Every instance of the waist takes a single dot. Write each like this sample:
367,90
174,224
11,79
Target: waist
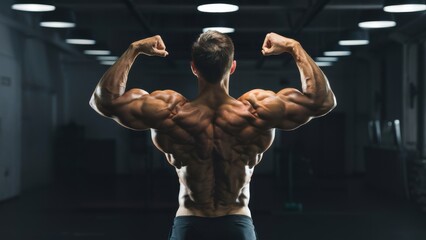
224,227
211,213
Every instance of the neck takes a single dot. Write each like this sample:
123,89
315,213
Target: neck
213,93
206,87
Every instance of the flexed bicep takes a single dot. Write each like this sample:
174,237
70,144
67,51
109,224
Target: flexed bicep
135,109
291,108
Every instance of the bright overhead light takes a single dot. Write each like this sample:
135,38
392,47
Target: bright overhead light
376,19
353,42
57,24
107,58
97,52
109,63
100,49
80,37
33,7
60,18
354,38
217,8
326,59
77,41
404,6
324,64
377,24
337,53
219,29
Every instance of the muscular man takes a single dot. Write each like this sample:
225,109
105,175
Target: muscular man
214,141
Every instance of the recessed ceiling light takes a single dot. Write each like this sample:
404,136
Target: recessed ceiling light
77,41
60,18
57,24
377,24
33,7
107,58
324,64
337,53
354,38
376,19
326,59
217,8
107,62
219,29
80,37
404,6
97,52
353,42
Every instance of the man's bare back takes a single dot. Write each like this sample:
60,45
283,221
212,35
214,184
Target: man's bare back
214,141
214,150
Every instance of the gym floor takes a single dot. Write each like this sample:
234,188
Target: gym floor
125,209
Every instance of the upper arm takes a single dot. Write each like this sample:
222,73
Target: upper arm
287,109
139,110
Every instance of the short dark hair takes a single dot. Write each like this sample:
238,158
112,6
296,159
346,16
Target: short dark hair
212,55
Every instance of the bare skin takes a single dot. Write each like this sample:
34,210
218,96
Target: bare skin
215,141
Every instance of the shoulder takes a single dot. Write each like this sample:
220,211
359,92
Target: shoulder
256,95
268,107
164,99
168,96
159,106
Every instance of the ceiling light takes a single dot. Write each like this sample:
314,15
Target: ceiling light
377,24
107,58
403,6
33,6
219,29
79,41
376,19
354,38
60,18
80,37
338,51
107,62
100,49
326,59
324,64
97,52
57,24
353,42
217,8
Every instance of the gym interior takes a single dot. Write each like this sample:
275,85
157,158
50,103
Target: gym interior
68,173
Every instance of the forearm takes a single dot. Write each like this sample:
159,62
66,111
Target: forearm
110,95
113,83
315,85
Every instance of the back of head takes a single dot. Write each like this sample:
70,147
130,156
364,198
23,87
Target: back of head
212,55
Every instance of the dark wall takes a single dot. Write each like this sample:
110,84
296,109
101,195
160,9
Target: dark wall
57,84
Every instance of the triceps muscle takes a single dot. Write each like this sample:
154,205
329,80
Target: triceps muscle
126,109
292,109
143,111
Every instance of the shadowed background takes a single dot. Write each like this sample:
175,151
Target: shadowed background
68,173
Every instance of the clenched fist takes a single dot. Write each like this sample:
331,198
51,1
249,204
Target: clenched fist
275,44
152,46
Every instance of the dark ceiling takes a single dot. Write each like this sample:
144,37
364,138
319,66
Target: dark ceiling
317,24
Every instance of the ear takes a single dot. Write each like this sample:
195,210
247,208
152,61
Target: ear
233,66
194,70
